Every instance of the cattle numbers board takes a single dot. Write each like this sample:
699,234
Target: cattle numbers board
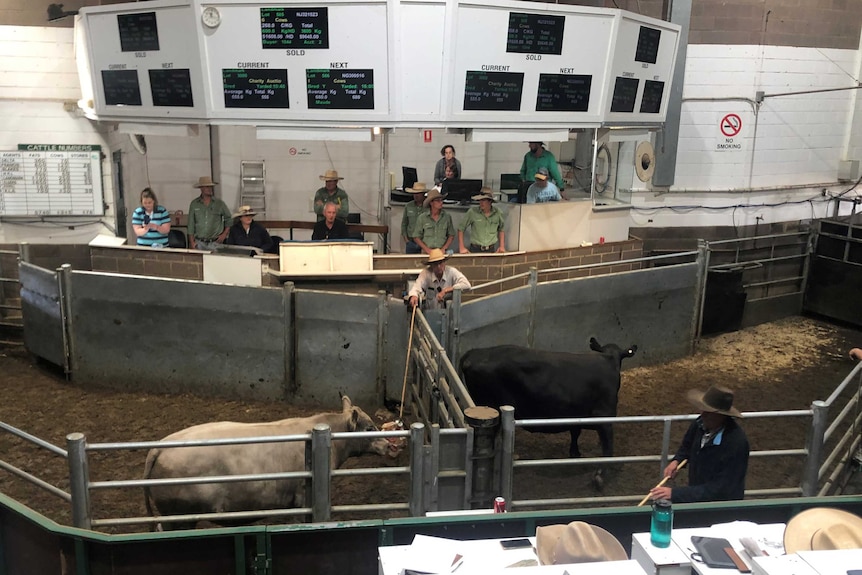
51,180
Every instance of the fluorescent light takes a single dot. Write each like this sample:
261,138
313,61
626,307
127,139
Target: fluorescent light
328,134
505,135
178,130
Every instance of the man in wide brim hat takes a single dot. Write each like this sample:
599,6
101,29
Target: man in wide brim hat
436,282
209,217
245,211
331,192
434,227
577,542
412,210
716,450
485,223
432,195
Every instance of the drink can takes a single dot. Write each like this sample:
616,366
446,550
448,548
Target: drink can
500,505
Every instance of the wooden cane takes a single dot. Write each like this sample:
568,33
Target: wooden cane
407,365
663,481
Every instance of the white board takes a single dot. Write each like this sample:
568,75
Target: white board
51,180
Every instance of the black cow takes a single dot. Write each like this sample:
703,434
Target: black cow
548,384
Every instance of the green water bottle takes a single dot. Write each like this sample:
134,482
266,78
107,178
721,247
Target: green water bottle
662,522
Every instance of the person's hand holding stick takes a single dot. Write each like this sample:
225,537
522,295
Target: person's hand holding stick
663,481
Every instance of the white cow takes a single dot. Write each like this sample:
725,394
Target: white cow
247,459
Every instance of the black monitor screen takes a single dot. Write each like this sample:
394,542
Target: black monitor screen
410,177
460,190
510,181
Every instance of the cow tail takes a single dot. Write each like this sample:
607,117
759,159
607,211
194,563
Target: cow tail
152,510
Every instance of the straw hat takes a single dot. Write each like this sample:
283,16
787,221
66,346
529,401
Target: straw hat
245,211
577,542
484,194
330,175
541,174
716,399
205,182
418,188
436,255
433,194
823,528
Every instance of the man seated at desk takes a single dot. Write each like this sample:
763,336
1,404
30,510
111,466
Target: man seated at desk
247,232
543,190
330,227
436,282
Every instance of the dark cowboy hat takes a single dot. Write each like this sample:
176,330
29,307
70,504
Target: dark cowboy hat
716,399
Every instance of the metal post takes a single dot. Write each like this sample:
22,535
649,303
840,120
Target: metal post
484,421
24,254
79,477
455,327
665,446
64,279
382,325
702,276
507,451
811,472
417,438
290,385
534,298
321,472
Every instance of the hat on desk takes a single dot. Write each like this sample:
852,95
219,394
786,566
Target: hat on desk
418,188
330,175
484,194
433,194
823,528
577,542
541,174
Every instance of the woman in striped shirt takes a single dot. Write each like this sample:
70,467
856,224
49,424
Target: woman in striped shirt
151,221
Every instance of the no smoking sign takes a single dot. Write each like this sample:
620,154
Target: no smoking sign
729,138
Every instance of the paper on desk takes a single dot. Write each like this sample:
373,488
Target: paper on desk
769,537
433,555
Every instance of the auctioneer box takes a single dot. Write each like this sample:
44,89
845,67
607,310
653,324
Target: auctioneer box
315,258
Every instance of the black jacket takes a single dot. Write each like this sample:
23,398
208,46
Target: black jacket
338,232
257,236
715,472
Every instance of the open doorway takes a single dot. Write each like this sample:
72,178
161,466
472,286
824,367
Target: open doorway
119,194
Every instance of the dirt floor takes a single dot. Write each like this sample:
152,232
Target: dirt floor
778,366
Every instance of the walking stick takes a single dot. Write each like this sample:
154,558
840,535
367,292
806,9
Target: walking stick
663,481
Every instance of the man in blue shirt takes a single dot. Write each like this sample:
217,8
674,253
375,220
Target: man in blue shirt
543,190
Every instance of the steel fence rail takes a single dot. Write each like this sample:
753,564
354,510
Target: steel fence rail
35,440
755,238
65,496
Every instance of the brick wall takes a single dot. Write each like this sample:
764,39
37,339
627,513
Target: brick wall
177,264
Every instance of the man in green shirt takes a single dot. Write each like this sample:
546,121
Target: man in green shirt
331,193
486,226
209,217
434,228
411,216
539,157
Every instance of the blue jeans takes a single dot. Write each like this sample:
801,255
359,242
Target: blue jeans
412,248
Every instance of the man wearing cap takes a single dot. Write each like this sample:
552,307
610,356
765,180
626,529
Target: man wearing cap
539,157
436,282
247,232
330,227
543,190
209,217
716,449
434,228
411,216
331,192
486,226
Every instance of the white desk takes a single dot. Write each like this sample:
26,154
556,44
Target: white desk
486,557
769,537
833,562
669,560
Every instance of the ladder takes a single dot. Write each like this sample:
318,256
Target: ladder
253,185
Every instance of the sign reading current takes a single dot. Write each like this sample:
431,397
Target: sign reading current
340,89
294,28
255,88
535,33
493,90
